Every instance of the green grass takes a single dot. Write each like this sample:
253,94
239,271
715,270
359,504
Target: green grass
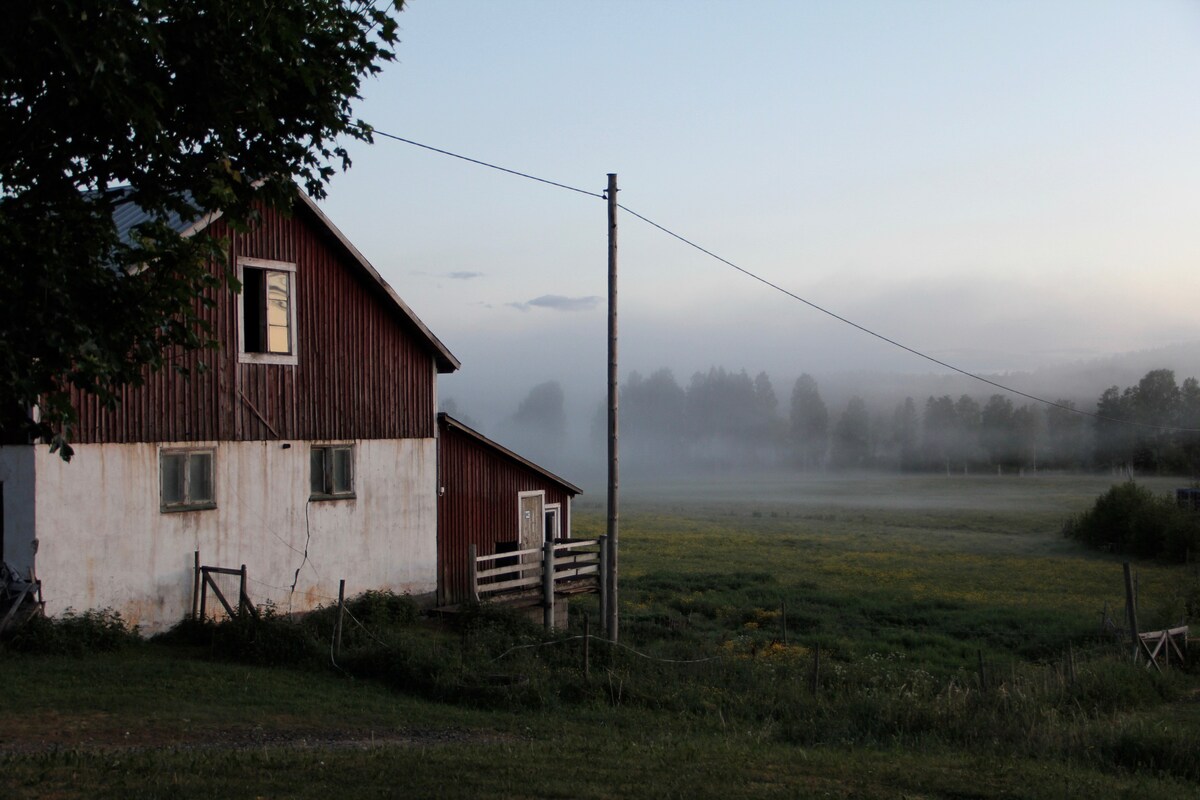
903,582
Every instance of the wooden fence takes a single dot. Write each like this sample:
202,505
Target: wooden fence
565,566
1160,643
203,581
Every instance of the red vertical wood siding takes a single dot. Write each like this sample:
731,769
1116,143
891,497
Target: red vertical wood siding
479,504
364,370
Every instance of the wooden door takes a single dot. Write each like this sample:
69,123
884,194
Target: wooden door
532,508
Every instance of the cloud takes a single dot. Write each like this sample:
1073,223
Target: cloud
463,276
559,303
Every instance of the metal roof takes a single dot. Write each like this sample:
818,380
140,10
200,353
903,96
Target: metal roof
127,215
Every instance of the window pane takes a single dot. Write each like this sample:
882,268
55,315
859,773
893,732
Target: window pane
343,465
200,478
172,478
316,461
279,318
253,303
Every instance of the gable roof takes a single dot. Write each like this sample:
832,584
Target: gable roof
450,423
127,214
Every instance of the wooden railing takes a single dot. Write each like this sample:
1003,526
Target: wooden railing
552,567
1154,643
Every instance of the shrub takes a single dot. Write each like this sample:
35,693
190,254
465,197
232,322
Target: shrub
1131,519
270,639
374,608
75,634
369,616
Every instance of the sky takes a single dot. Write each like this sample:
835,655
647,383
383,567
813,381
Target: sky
1002,185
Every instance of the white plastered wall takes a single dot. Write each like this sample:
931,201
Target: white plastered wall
105,543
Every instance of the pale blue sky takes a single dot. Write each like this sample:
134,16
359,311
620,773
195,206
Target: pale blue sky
1002,184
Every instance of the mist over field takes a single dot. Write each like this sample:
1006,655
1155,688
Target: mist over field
727,419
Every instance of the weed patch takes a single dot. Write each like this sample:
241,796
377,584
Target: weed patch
74,634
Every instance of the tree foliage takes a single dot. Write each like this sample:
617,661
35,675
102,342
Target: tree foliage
1129,518
851,446
183,109
810,423
542,413
653,425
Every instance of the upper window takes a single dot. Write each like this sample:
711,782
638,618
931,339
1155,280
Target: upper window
331,473
186,480
268,318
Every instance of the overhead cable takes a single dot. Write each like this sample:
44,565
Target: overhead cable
486,164
967,373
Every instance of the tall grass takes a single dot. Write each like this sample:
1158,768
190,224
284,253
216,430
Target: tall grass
723,614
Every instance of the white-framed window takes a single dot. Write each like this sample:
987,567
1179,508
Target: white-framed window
267,319
186,479
331,471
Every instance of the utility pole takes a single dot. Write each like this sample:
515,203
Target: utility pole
611,577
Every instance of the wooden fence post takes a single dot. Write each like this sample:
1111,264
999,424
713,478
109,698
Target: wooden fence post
816,668
982,673
548,584
203,594
1131,608
337,639
472,574
242,596
196,586
586,642
783,619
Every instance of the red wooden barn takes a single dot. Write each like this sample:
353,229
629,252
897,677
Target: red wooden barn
306,451
492,498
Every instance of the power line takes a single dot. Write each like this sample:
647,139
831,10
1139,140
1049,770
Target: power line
486,164
895,343
794,296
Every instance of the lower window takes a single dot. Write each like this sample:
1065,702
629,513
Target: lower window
186,480
331,473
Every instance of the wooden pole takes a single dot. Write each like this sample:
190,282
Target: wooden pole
603,567
548,584
203,594
242,596
337,637
611,607
472,574
982,673
816,669
783,619
1131,608
196,586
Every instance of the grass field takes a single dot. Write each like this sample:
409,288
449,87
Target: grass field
904,584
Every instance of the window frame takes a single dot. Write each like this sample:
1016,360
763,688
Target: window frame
554,509
267,265
327,450
187,503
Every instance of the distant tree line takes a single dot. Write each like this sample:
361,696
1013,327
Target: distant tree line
728,419
725,419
